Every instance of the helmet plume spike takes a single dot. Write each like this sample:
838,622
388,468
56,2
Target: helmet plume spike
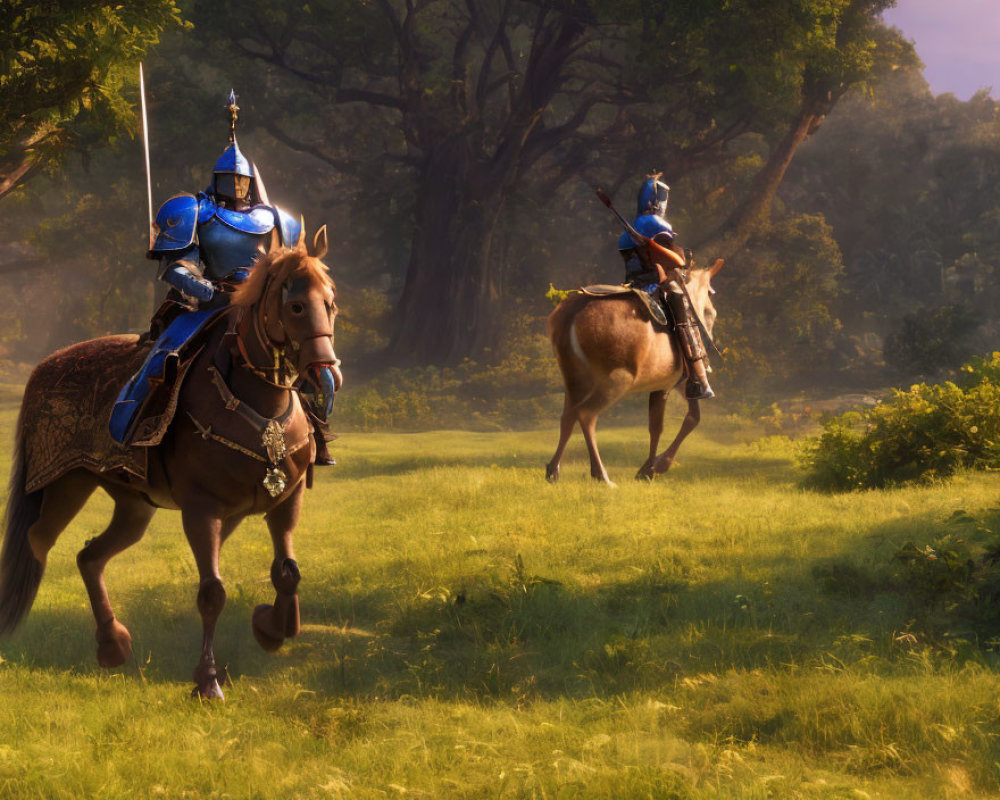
233,115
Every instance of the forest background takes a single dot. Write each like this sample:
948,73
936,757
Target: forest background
452,149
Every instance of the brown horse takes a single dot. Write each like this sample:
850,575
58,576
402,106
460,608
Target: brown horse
608,347
239,444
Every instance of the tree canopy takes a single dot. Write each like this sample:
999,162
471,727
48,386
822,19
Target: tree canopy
462,107
65,71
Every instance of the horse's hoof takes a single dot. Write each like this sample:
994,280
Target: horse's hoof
551,473
662,466
264,629
210,691
646,472
114,644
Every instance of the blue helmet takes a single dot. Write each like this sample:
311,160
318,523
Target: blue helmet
233,161
653,196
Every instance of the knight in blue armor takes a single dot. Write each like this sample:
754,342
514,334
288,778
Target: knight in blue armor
640,272
205,243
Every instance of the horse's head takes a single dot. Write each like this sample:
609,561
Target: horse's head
289,301
700,290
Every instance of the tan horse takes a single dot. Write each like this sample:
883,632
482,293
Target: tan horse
239,444
608,347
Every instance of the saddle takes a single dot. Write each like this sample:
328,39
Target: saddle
651,300
72,393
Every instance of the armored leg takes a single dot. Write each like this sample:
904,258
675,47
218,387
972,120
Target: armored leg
692,347
321,429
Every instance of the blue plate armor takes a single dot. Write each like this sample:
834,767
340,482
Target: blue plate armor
154,370
176,223
648,225
289,227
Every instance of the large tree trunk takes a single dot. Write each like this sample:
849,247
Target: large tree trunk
447,309
754,213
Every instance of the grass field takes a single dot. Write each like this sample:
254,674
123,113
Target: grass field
471,631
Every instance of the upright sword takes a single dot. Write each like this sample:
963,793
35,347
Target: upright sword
145,147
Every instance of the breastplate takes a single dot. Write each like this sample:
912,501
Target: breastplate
224,249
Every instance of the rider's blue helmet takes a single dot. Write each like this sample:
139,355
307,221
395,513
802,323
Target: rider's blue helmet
653,196
232,161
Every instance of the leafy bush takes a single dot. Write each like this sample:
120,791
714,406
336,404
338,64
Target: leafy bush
925,433
953,583
929,341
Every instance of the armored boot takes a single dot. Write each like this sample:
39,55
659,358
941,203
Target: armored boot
692,348
323,457
321,429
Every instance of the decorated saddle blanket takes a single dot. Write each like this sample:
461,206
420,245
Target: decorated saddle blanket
651,300
67,406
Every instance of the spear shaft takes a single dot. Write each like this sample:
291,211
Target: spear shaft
145,147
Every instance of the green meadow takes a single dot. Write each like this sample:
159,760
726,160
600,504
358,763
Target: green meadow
471,631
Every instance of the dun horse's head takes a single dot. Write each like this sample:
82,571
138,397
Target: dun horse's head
289,298
700,290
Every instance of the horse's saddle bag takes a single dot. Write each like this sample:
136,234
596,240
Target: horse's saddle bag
651,297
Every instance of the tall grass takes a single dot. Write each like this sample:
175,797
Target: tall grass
471,631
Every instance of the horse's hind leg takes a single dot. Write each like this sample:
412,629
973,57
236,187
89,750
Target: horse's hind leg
272,624
691,420
587,411
61,501
128,523
657,405
566,424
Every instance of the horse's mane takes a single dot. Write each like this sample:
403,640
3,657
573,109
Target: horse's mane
280,264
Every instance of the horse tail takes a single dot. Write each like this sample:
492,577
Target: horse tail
20,571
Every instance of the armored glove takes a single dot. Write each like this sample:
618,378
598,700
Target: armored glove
183,280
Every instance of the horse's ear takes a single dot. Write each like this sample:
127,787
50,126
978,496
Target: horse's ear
319,244
302,233
275,244
716,266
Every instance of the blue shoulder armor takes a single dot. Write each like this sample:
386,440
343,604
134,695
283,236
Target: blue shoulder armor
648,225
651,224
256,221
176,224
289,227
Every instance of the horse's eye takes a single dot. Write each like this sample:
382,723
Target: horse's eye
297,308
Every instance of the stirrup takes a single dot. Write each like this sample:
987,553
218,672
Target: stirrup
697,391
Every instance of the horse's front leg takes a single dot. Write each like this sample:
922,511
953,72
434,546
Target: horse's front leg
272,624
691,420
205,528
657,406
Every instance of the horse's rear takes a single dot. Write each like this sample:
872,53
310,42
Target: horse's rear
608,347
58,432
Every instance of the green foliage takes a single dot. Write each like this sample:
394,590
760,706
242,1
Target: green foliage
556,296
910,183
952,584
927,432
932,341
66,73
783,323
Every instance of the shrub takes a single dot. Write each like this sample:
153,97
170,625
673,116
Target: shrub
929,341
925,433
